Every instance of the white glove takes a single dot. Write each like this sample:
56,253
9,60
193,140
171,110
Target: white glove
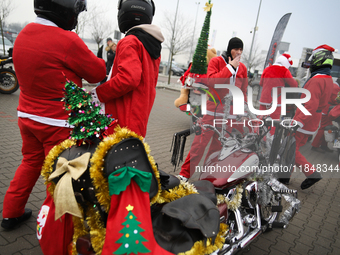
95,99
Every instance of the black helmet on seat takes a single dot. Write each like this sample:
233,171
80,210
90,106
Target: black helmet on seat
64,13
134,12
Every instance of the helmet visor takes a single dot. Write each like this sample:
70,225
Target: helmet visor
77,5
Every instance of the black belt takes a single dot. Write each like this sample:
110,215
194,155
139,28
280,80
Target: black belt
318,111
55,99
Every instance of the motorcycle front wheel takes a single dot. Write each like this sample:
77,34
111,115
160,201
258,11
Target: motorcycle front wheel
8,81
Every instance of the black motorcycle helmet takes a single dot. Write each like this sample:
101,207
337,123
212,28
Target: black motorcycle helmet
63,13
134,12
321,57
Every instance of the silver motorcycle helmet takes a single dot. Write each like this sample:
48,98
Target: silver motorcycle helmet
63,13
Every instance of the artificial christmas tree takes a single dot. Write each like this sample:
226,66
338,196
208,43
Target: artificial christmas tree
201,58
84,116
199,64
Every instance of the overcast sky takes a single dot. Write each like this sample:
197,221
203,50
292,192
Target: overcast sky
312,23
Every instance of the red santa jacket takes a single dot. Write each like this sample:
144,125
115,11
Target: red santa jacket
320,87
41,55
217,71
332,99
275,76
130,93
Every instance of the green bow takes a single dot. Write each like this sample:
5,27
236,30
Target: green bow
121,178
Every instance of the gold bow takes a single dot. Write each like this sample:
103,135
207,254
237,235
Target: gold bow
208,7
64,199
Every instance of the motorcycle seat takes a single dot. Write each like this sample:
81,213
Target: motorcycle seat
130,152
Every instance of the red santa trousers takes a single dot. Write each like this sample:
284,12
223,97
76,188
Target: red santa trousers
54,236
37,140
300,160
319,139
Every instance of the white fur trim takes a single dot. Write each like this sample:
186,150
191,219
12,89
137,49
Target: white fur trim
231,69
306,131
299,123
283,61
45,120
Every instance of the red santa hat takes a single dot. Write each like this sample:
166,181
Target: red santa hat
284,60
323,47
320,48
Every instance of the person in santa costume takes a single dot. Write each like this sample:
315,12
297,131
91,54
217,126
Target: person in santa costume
319,143
45,52
320,85
226,68
276,76
130,90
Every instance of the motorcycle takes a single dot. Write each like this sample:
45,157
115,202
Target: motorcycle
332,132
8,79
209,216
251,200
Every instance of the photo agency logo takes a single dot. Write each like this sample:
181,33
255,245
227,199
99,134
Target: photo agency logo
238,104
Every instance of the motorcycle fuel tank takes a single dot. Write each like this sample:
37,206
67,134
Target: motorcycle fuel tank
224,171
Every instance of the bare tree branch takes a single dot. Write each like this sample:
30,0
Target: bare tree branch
178,35
83,19
6,7
256,59
182,33
100,28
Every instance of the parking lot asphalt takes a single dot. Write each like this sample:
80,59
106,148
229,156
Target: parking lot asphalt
314,230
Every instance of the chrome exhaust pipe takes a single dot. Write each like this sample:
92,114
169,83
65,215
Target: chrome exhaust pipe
253,234
249,238
240,244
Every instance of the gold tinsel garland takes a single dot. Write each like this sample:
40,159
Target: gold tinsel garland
235,202
182,190
97,232
201,248
79,230
47,167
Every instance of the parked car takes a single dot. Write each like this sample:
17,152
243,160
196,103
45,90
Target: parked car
175,69
8,46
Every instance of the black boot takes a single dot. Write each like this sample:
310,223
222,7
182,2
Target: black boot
311,180
11,223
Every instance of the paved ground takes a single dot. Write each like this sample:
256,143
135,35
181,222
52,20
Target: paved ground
315,230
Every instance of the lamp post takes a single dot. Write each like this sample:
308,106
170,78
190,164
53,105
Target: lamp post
252,42
193,34
172,45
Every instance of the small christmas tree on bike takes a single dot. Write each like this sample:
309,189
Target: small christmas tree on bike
84,114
